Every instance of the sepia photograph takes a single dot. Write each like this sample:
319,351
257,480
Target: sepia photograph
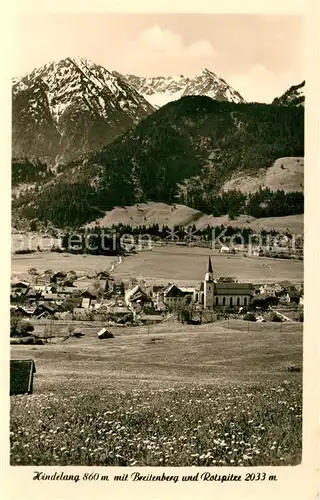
157,242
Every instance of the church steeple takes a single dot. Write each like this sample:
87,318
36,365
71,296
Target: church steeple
209,273
208,287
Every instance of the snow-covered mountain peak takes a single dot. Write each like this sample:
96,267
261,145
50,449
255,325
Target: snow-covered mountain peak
160,90
294,96
79,99
77,79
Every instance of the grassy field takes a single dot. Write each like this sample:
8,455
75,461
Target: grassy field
167,395
163,264
188,265
59,262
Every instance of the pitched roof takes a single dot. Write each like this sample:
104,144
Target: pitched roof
51,296
135,293
187,289
19,284
173,291
90,293
233,288
151,317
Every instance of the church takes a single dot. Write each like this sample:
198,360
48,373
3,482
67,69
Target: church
212,293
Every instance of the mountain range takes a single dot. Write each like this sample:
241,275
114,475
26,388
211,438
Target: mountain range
63,110
160,90
85,139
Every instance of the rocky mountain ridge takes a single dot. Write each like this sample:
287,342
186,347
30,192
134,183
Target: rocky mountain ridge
294,96
159,90
65,109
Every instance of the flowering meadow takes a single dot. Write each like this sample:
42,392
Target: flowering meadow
178,426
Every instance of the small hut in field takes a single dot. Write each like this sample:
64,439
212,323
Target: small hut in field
105,334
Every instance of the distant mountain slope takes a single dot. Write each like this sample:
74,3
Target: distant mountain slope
34,132
160,90
147,214
183,153
294,96
62,110
286,174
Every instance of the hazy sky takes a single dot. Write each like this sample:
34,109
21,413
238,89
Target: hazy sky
260,56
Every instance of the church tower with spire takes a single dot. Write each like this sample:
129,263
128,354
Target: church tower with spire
208,287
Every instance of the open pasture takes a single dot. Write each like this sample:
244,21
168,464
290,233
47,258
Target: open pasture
164,395
20,264
186,265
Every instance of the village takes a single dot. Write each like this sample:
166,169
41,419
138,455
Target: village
73,298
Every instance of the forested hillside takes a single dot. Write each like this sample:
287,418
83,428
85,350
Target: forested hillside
183,152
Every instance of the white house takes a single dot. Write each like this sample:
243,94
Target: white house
224,249
270,290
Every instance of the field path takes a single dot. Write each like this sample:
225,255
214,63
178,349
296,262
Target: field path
114,264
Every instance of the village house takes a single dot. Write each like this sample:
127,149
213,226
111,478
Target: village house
52,297
89,299
225,249
19,286
102,275
66,291
157,294
256,252
136,296
22,311
102,284
45,311
44,279
270,290
58,277
289,293
119,313
33,296
45,288
174,296
117,288
150,319
19,289
284,298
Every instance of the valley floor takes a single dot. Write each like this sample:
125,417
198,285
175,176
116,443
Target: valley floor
186,265
164,264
